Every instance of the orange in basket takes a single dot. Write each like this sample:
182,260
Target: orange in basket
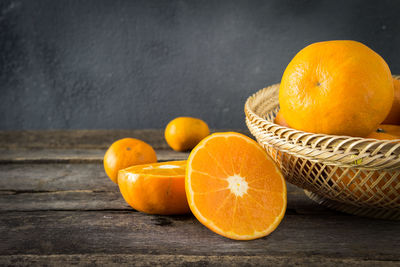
337,88
366,186
394,115
279,119
386,132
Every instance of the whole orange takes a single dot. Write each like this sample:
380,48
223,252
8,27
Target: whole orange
386,132
280,120
336,87
184,133
367,185
394,114
127,152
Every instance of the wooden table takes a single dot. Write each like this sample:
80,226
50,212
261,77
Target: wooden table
58,207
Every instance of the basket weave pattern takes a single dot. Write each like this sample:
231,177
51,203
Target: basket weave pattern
355,175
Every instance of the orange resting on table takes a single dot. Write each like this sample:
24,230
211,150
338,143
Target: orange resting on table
336,87
126,152
234,188
184,133
157,188
394,114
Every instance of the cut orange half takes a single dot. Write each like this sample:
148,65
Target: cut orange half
234,188
157,188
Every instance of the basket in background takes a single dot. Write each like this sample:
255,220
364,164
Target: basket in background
350,174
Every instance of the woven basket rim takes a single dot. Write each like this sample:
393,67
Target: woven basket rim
345,151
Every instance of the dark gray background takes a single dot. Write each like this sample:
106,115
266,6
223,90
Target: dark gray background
138,64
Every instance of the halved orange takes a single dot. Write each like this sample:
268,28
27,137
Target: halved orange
234,188
156,188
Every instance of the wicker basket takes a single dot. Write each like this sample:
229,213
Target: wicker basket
354,175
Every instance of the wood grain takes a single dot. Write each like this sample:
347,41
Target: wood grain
88,200
26,156
137,233
79,200
58,207
185,260
28,187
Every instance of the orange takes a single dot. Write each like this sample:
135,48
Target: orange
184,133
280,120
157,188
367,185
374,184
386,132
125,153
336,87
234,188
394,115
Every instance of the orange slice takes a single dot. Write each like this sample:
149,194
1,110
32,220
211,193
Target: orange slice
234,188
157,188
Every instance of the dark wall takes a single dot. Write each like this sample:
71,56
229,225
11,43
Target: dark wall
138,64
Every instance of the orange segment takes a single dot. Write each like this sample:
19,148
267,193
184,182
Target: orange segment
209,165
208,183
234,188
157,188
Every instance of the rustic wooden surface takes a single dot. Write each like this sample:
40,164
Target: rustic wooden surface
57,207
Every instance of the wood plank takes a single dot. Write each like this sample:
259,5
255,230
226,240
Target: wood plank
25,156
81,186
184,260
81,139
63,200
27,187
57,207
90,200
136,233
54,177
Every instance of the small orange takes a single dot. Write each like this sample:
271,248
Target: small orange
280,120
184,133
336,87
157,188
234,188
386,132
125,153
394,115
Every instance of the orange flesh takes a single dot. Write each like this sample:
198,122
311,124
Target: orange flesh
219,160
